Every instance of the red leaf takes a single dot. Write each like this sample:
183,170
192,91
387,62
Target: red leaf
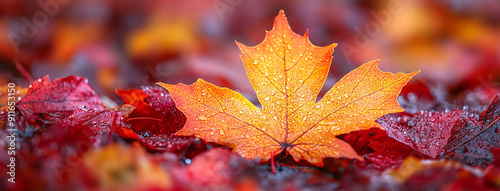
153,102
426,132
389,153
50,101
98,122
216,168
471,141
359,140
155,118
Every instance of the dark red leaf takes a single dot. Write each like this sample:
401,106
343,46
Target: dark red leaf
155,118
359,140
427,132
101,122
48,101
389,153
471,141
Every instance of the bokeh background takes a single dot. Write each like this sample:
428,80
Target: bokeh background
120,44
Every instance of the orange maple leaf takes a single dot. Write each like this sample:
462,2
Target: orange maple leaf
287,72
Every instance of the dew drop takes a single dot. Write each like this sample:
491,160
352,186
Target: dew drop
201,118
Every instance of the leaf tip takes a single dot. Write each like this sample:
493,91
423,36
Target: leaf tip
414,73
282,13
281,21
333,45
240,45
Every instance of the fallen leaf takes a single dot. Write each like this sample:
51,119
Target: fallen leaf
50,101
155,111
98,122
287,73
389,153
360,140
427,132
471,141
120,167
155,117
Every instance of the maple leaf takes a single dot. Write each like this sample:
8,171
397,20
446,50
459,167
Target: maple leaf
287,72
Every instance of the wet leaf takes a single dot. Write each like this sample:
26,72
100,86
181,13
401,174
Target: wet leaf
155,117
426,132
120,167
471,140
48,101
389,153
100,123
287,73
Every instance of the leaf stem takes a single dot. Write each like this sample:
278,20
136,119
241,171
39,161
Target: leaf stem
273,165
144,118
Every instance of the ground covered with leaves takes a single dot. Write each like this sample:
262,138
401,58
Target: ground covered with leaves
439,139
68,139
